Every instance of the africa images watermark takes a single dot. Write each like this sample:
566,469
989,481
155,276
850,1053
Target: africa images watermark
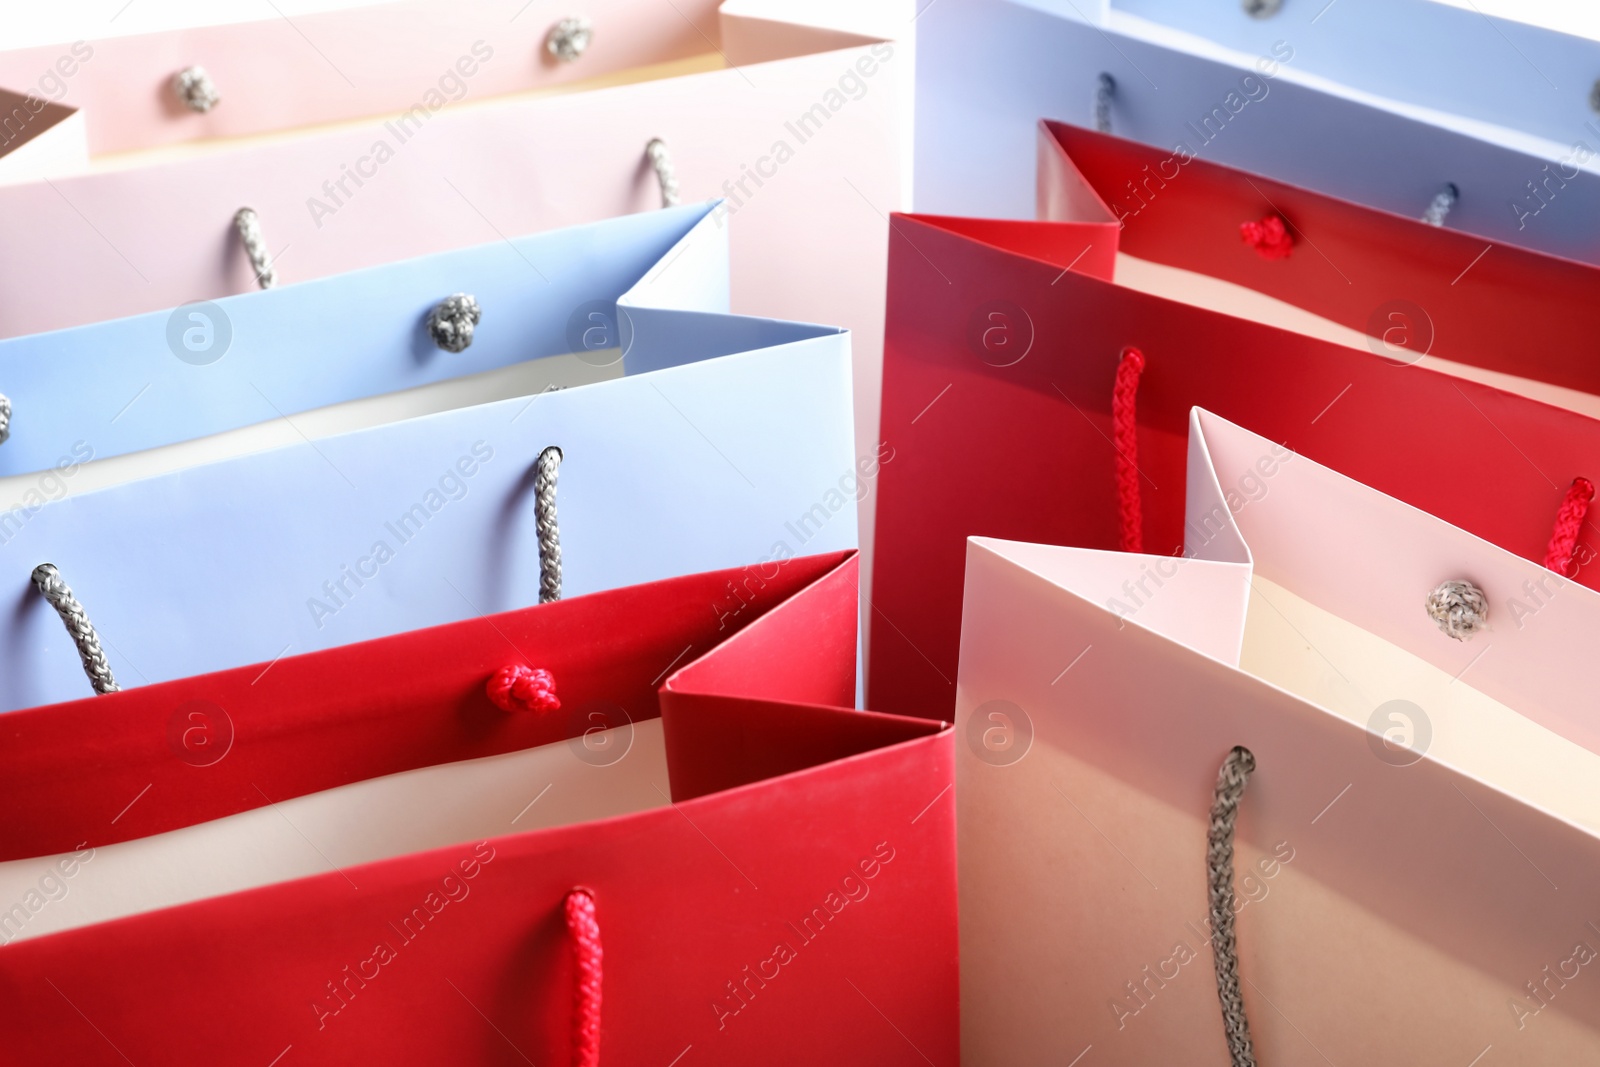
51,87
453,888
1542,190
1200,530
49,484
1250,89
450,87
53,885
451,485
1545,986
851,85
853,888
851,488
1142,990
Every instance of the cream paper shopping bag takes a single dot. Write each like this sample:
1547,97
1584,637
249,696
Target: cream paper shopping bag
1417,876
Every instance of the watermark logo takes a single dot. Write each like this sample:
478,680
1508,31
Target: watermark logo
1001,333
740,992
199,333
1399,732
340,991
999,733
450,87
1545,986
200,733
851,84
1143,188
602,733
593,335
1140,992
452,484
52,88
51,886
1400,331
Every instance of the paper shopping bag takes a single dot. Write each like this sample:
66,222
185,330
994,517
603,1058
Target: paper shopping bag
799,123
975,119
1460,62
727,442
1412,289
357,349
682,841
232,79
1006,382
1321,788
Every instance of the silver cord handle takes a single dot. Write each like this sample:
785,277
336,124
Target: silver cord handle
48,581
544,519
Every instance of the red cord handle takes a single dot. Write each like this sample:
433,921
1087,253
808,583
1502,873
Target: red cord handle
587,957
1569,524
1125,438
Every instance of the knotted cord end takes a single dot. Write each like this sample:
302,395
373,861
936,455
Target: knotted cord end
518,687
1270,237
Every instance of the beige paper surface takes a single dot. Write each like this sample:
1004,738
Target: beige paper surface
428,808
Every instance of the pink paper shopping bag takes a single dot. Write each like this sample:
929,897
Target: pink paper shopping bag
279,69
795,115
1320,790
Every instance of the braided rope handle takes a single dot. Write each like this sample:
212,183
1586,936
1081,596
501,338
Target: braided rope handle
544,519
248,223
666,174
1105,87
1440,205
1231,780
48,581
583,927
1125,439
1570,518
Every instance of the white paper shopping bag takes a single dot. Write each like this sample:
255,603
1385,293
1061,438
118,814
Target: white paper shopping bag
1417,847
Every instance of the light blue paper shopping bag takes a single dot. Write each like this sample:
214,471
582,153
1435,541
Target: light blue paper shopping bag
1456,60
112,388
728,441
989,70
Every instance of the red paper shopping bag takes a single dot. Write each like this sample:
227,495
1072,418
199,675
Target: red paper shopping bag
1415,289
1029,397
405,851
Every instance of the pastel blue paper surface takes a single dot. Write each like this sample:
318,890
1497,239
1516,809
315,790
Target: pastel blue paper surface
989,70
729,441
120,386
1453,59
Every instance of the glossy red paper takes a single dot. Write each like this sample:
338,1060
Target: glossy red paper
1002,345
795,904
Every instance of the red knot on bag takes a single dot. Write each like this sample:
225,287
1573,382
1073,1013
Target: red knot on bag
584,929
1569,524
1270,237
518,687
